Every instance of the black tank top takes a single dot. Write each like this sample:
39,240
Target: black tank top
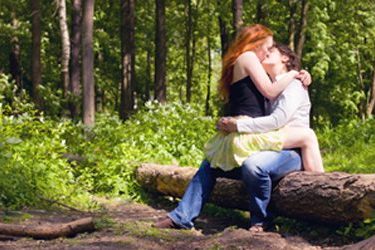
245,99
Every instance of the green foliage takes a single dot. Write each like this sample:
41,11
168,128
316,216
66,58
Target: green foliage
349,147
32,169
32,149
159,133
339,234
14,101
359,231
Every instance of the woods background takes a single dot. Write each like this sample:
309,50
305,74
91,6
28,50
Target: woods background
77,58
90,90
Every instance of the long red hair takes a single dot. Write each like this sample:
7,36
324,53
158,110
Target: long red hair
248,39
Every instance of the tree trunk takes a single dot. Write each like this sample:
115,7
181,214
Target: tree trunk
328,197
188,38
302,29
292,23
127,57
75,66
237,9
36,66
14,56
148,72
362,111
261,14
209,73
223,31
160,88
49,232
88,63
371,103
65,41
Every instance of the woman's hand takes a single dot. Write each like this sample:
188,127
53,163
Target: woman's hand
304,77
227,124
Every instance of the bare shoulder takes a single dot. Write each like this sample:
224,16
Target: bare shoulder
247,57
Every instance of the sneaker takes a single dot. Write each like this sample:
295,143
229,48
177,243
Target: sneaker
166,223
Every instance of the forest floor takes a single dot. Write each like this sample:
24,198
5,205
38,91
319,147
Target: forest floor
127,225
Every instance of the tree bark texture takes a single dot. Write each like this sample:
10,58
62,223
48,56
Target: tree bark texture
261,12
160,88
371,103
127,57
237,9
75,66
188,57
209,74
302,28
36,65
88,63
224,34
325,197
48,232
149,74
292,23
14,56
65,41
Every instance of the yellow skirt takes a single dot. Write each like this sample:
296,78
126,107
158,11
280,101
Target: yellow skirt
228,151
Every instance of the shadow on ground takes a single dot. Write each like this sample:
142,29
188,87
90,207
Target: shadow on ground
127,225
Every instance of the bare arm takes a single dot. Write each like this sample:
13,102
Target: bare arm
252,66
287,105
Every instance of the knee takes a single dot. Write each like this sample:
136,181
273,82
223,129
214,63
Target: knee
250,169
310,137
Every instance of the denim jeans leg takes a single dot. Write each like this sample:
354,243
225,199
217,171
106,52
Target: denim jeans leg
258,172
196,195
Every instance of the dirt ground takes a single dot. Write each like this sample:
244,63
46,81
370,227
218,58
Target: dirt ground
127,225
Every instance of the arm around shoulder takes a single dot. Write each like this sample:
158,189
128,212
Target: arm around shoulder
252,66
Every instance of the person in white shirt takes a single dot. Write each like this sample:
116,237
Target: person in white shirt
289,112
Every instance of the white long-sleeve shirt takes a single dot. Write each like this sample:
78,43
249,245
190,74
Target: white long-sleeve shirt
291,108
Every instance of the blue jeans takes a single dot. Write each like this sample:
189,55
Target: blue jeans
257,172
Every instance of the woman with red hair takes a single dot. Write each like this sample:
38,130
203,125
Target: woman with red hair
244,84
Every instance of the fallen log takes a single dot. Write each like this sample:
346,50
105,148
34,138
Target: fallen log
48,232
326,197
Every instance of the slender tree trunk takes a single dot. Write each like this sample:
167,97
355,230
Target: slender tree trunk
148,72
261,12
88,63
209,74
36,66
188,38
292,23
75,66
127,57
371,103
99,98
363,104
190,45
65,41
303,26
237,8
14,56
224,37
161,53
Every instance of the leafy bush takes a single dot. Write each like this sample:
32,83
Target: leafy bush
165,134
349,147
14,101
32,169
